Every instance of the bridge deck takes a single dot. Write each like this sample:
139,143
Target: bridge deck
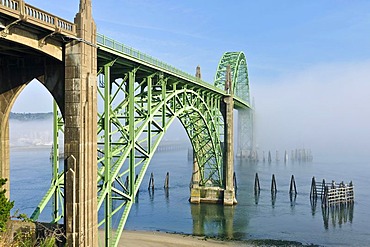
111,46
27,13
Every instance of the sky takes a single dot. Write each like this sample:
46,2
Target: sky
308,61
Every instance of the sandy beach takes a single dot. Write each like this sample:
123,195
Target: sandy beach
160,239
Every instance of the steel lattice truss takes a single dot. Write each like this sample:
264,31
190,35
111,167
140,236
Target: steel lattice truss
240,87
138,108
137,103
239,74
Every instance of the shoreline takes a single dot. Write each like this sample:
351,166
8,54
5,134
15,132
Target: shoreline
134,238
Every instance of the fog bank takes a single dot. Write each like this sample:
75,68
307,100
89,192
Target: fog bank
325,108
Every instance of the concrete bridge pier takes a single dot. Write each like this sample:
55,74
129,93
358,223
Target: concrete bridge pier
229,192
225,195
80,142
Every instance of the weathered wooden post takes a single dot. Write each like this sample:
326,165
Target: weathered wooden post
167,181
273,185
293,187
257,187
151,182
313,192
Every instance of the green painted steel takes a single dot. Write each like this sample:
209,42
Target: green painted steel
142,104
239,74
55,194
139,98
240,89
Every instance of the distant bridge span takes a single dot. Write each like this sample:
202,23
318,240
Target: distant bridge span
135,98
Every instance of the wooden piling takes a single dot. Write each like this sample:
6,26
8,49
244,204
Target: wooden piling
322,189
269,157
313,192
167,181
234,182
257,187
285,157
151,182
293,187
126,182
273,185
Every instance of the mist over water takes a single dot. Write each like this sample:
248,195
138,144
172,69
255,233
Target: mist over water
324,108
31,133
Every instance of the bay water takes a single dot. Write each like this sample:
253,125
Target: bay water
252,218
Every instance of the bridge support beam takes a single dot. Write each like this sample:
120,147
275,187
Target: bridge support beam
228,111
195,189
80,142
215,194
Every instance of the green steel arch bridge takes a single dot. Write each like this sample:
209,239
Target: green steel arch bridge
136,98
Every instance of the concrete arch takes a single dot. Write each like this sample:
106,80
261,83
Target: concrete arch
14,77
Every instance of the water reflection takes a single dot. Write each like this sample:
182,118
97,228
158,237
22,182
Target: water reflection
256,197
167,194
212,220
313,201
292,197
337,215
273,199
151,195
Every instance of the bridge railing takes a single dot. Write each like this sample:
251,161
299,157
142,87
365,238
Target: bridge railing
25,12
129,51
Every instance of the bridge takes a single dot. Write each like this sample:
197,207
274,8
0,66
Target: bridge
116,104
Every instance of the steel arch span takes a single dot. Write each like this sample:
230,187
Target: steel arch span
240,88
137,109
139,99
239,74
136,105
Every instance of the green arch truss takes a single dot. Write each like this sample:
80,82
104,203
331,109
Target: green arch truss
239,74
139,107
136,107
138,99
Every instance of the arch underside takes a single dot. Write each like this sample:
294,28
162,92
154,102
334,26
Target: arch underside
16,71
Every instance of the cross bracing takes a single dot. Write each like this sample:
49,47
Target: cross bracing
139,98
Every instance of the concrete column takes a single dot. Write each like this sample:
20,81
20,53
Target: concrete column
7,100
4,147
229,192
195,190
228,113
81,130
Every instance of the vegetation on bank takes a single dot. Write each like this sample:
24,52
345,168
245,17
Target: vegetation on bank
22,238
5,206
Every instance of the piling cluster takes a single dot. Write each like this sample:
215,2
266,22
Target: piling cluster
166,184
332,194
297,155
337,200
257,189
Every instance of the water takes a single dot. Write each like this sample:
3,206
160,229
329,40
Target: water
282,220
